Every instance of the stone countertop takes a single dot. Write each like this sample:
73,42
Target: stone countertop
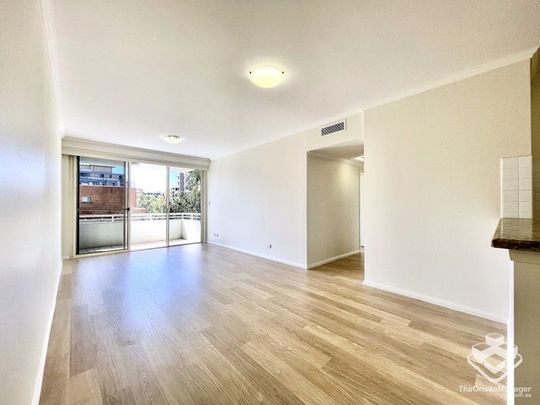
517,234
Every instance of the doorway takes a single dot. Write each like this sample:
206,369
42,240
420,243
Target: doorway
334,208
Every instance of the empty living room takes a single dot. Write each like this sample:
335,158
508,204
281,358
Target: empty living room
270,201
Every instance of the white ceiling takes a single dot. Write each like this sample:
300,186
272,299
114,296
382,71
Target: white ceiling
130,71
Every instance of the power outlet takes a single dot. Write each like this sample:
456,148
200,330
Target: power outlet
269,246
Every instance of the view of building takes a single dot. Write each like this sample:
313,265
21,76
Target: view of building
101,190
100,175
180,185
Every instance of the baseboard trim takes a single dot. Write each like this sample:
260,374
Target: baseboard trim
271,258
435,301
43,358
333,259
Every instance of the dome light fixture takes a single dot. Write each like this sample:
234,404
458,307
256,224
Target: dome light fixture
266,76
172,139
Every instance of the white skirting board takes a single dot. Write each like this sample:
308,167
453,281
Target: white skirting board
395,290
274,259
43,358
436,301
333,259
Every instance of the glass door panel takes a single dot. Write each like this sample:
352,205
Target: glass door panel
101,205
148,225
184,206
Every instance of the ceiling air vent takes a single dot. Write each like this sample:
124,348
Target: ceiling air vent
336,127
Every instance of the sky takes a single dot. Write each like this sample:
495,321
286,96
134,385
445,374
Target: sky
152,178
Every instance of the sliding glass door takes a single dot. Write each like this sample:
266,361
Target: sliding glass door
184,205
101,205
161,207
148,201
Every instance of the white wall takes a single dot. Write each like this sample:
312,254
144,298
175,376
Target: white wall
258,197
362,209
433,189
354,132
535,131
29,201
333,209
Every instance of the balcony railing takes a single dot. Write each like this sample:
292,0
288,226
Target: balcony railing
139,217
104,230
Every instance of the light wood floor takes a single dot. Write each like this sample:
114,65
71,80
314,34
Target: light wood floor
201,324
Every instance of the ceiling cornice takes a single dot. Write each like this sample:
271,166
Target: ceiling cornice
461,75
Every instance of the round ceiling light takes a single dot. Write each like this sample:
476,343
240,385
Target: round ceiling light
173,139
266,76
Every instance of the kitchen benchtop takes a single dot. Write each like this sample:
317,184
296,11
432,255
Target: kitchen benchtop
517,234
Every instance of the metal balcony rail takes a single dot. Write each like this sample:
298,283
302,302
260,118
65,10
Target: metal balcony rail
139,217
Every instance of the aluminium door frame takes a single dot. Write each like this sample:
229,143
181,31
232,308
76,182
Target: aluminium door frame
128,210
128,207
76,181
167,207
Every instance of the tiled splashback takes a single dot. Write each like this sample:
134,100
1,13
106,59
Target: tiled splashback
516,187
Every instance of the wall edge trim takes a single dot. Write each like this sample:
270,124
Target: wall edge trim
435,301
333,259
43,358
249,252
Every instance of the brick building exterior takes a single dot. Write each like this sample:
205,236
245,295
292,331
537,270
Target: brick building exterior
103,199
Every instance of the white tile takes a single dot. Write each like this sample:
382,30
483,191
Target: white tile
510,214
510,195
525,173
525,162
516,185
510,184
510,163
510,173
510,210
525,184
525,209
524,195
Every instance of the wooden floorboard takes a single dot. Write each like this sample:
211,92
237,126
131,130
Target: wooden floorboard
201,324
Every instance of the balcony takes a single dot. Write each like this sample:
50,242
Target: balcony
103,232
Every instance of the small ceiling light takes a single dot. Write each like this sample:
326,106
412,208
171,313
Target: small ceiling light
266,76
173,139
360,158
